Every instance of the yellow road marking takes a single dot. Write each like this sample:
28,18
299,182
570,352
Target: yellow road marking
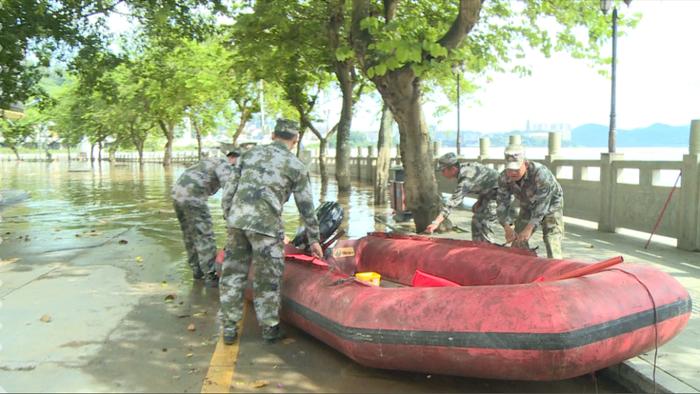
223,363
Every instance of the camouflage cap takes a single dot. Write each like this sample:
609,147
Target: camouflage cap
229,149
447,160
287,125
515,156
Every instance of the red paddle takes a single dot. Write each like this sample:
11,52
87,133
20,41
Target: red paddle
587,270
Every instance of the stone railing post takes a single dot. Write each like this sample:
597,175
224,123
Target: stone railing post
515,139
398,155
689,212
359,163
608,185
484,145
554,151
369,169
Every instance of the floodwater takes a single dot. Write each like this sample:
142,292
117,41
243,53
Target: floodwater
93,264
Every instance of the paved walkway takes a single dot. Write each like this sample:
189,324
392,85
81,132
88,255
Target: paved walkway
677,365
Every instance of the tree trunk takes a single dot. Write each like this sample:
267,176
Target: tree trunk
99,152
383,156
245,116
169,136
14,149
322,159
401,92
342,145
112,156
198,135
139,148
68,148
344,74
92,153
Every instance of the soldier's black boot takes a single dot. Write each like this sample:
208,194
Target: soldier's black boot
198,274
272,334
230,333
211,280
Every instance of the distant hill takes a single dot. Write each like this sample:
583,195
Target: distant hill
595,135
588,135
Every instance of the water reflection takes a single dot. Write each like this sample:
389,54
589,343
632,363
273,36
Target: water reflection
106,198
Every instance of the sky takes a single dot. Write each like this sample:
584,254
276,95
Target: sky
658,81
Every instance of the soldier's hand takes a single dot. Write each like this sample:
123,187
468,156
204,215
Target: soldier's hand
525,234
316,250
511,236
431,227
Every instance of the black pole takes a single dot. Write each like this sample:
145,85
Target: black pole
611,132
458,102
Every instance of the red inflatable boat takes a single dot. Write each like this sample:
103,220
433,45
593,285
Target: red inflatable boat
487,311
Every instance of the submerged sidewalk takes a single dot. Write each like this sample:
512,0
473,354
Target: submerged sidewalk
676,368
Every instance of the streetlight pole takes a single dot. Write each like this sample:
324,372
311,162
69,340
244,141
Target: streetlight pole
605,7
458,115
613,97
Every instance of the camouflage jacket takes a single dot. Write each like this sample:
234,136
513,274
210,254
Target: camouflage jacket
202,180
538,192
474,178
268,175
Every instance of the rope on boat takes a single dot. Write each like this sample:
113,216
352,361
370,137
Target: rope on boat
656,329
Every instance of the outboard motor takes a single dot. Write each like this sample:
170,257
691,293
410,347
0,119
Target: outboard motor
330,215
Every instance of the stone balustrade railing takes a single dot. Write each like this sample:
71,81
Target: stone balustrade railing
614,192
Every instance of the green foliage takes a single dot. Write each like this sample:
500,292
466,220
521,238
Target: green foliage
16,132
282,42
36,34
504,32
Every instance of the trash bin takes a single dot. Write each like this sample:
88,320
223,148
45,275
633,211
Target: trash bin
397,194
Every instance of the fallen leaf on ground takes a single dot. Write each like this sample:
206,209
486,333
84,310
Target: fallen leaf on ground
259,384
200,314
123,242
8,261
46,318
182,316
139,259
189,355
191,327
288,341
169,297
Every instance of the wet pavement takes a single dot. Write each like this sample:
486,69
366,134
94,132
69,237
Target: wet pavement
96,296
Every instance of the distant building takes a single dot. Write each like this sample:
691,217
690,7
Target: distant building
541,130
15,112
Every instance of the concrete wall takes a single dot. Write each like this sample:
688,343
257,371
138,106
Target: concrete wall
614,192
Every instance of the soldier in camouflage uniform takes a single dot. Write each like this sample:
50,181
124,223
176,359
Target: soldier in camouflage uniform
541,202
253,203
472,178
190,194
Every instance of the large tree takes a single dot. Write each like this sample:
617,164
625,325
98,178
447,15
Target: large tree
15,132
402,45
36,34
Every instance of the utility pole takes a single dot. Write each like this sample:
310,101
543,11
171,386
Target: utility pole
262,106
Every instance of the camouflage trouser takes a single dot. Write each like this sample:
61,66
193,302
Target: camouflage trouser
266,254
483,219
198,234
552,231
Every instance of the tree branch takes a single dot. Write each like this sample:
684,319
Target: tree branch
463,24
390,9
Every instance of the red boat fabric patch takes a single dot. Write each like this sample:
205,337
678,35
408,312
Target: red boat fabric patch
424,279
307,259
